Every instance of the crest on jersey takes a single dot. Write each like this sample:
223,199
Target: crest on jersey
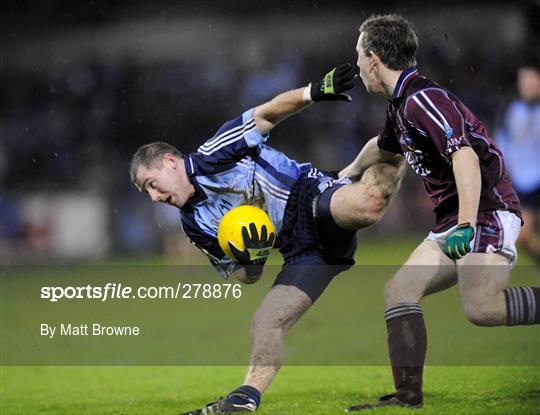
408,142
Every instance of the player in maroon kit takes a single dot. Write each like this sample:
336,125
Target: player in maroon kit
477,211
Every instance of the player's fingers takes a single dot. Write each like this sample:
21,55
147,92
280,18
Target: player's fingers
458,254
271,238
235,251
233,247
245,234
350,72
343,68
347,85
264,234
253,231
241,257
339,97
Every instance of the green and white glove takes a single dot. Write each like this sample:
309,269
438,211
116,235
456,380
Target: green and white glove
334,83
457,244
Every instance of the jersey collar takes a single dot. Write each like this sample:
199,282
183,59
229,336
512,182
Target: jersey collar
199,194
403,80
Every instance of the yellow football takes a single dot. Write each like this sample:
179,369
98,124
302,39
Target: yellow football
230,227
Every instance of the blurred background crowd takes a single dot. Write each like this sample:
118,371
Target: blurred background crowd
82,85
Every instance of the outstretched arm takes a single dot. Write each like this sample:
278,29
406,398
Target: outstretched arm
370,155
269,114
330,88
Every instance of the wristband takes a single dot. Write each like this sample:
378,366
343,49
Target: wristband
306,96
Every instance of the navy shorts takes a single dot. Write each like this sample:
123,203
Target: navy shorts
315,249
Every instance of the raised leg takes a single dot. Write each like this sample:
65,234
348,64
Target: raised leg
363,203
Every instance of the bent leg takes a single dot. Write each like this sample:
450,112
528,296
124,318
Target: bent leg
483,281
363,203
281,308
426,271
484,275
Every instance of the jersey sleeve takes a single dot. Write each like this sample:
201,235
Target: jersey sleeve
387,139
210,247
233,140
433,114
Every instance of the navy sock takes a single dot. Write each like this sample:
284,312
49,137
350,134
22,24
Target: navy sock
522,305
407,345
245,394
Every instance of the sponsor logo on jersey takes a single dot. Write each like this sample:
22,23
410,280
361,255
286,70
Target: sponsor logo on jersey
453,142
415,158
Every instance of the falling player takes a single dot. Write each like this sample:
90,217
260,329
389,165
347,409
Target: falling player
315,215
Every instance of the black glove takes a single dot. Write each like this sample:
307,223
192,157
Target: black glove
335,82
256,249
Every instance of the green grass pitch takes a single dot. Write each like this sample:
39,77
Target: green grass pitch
458,386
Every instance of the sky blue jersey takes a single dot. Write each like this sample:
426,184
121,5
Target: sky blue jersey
235,168
519,139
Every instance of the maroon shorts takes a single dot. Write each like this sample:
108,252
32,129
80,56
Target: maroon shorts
496,231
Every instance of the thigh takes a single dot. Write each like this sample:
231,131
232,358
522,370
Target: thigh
482,276
425,272
310,275
282,307
361,204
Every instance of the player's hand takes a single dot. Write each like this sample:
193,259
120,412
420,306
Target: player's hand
334,83
457,244
257,247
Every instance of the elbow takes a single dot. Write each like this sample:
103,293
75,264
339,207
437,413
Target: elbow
246,278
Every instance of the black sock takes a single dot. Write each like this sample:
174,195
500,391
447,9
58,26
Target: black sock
407,344
244,395
522,305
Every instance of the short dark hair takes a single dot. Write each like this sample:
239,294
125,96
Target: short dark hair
150,155
392,38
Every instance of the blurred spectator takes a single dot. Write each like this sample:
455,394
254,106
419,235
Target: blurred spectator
519,137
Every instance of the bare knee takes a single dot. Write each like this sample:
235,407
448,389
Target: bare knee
378,204
263,327
381,182
266,324
480,313
396,292
375,207
477,316
392,293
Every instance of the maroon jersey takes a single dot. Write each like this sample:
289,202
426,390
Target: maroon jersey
427,123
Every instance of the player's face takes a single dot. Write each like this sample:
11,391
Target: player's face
167,183
368,69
